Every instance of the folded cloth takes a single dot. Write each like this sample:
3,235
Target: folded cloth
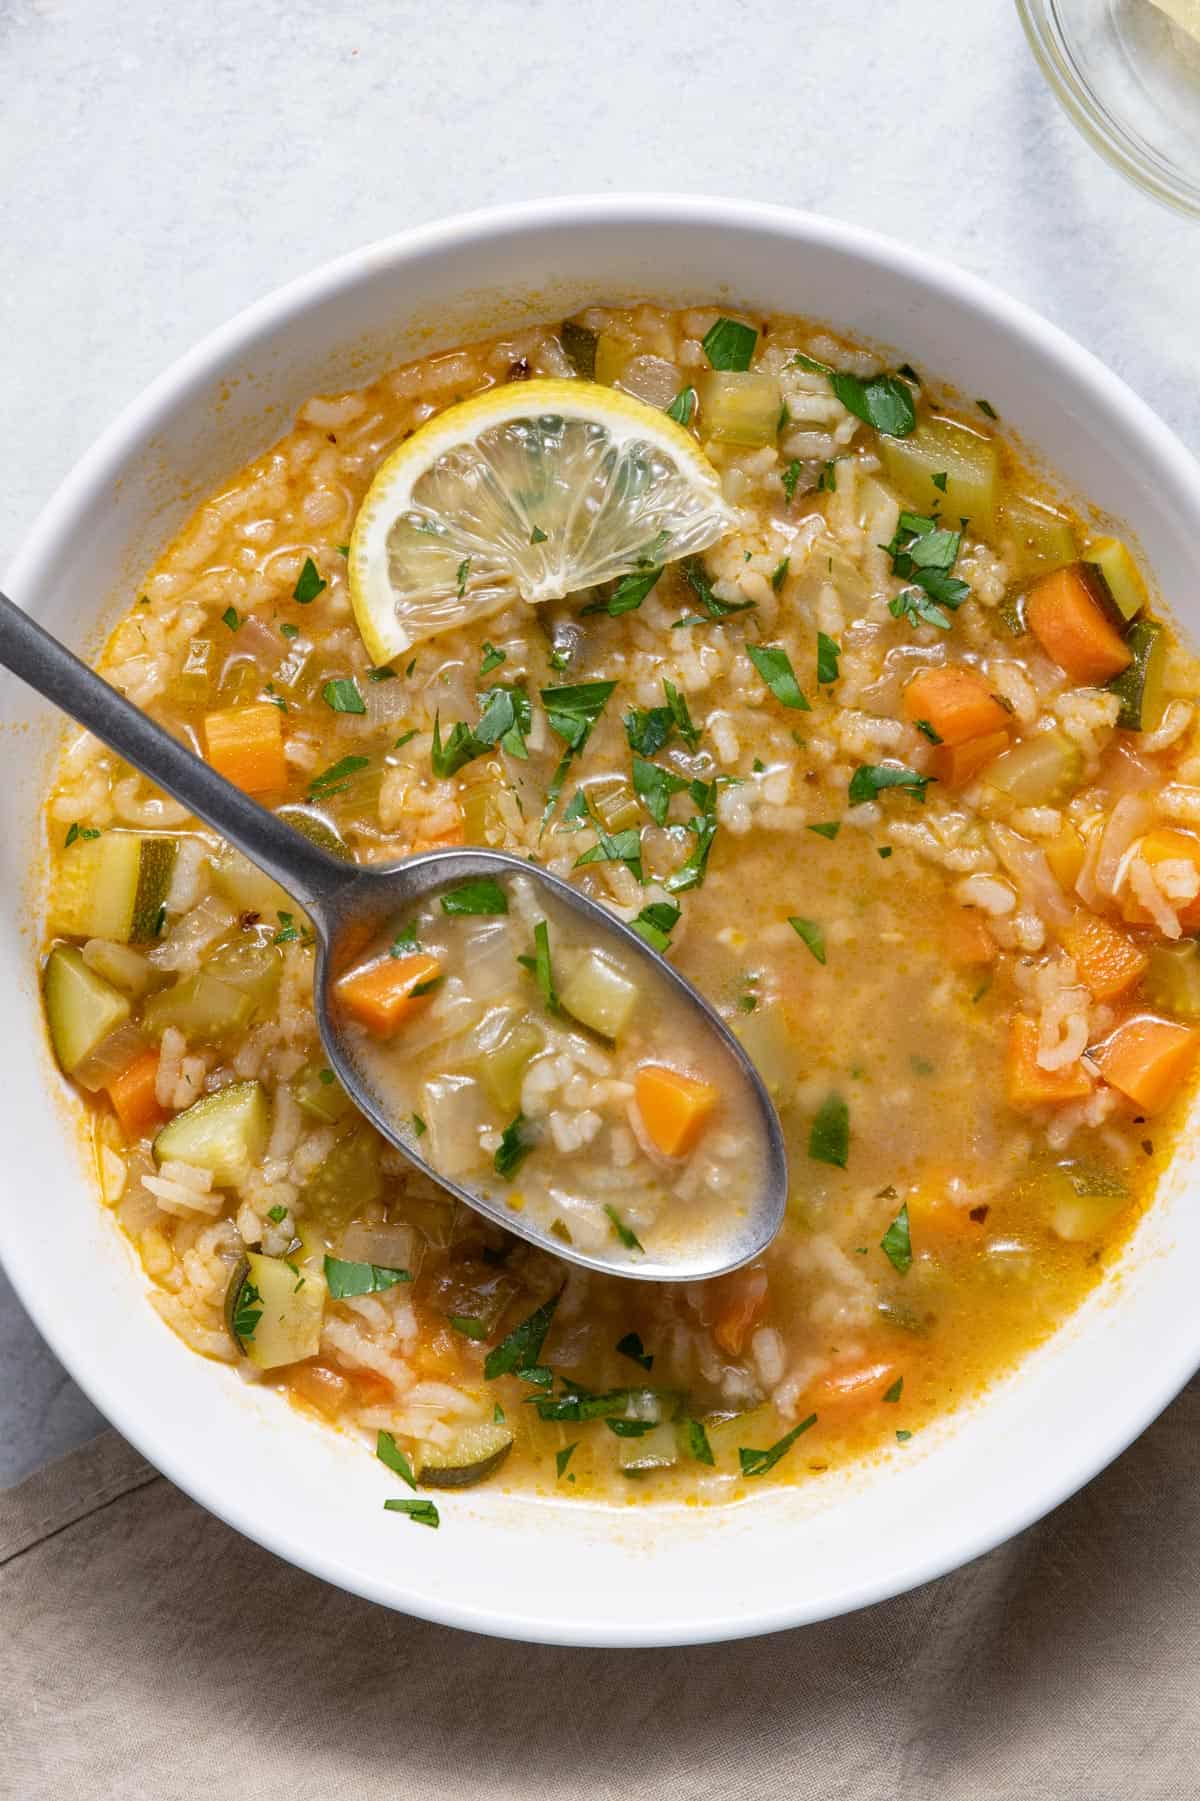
148,1651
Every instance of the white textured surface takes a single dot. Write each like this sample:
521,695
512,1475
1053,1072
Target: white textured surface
165,165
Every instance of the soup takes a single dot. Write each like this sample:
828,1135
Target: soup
899,768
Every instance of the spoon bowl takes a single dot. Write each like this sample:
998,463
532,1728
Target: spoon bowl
349,904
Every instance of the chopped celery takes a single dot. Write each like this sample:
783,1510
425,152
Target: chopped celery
1043,539
82,1009
347,1179
599,996
1172,978
739,406
657,1449
612,354
614,802
112,886
317,830
483,819
247,888
502,1066
1141,687
274,1310
240,681
1042,771
118,964
204,1007
193,686
1080,1202
319,1094
969,462
1121,575
225,1133
473,1453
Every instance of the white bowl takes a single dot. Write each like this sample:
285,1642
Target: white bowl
562,1570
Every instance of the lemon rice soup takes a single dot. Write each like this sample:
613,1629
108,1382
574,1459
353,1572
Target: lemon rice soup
787,658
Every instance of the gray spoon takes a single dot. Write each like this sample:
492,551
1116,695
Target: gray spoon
347,903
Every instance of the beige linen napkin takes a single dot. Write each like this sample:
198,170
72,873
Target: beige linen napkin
147,1651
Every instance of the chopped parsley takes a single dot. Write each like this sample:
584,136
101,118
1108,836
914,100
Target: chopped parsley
232,618
696,1439
460,577
682,407
902,1437
309,583
779,574
247,1311
384,673
730,344
682,718
345,1280
648,728
810,931
537,535
76,833
389,1452
828,652
757,1463
654,787
829,828
462,1323
790,478
522,1348
711,607
336,778
870,779
542,967
571,712
288,931
491,659
516,1141
884,401
288,630
927,731
775,667
896,1243
562,1458
923,553
484,895
626,1234
827,483
276,1215
405,942
939,481
418,1125
895,1391
829,1135
987,409
628,594
405,738
632,1347
422,1513
506,718
343,696
655,924
691,872
615,847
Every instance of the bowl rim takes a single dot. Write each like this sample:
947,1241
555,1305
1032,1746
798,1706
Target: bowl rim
134,424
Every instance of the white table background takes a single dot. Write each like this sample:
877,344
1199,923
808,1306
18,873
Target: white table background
164,165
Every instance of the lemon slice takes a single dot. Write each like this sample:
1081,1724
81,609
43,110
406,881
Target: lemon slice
536,489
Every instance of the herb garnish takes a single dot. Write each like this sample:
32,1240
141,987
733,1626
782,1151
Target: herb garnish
346,1280
810,931
729,344
484,895
654,787
571,712
896,1243
655,924
829,828
895,1391
343,696
829,1135
474,1329
682,718
939,481
540,964
827,483
628,594
288,931
615,847
648,728
924,553
247,1311
779,573
537,535
422,1513
775,667
309,583
710,606
405,941
632,1347
522,1348
986,407
789,478
232,618
276,1215
757,1463
682,406
927,731
335,779
516,1141
626,1234
491,659
696,1439
85,834
389,1452
562,1458
870,779
828,652
691,873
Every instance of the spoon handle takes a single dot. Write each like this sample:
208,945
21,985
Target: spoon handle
306,871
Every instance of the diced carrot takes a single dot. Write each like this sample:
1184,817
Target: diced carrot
132,1095
851,1384
955,764
932,1213
1163,844
448,840
1065,853
1064,615
320,1386
1028,1084
965,939
1148,1060
245,745
739,1301
383,995
1106,960
675,1108
956,702
371,1389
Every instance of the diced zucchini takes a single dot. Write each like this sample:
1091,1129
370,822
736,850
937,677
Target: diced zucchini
970,463
316,829
1141,688
195,684
1042,771
248,888
1172,978
114,1053
455,1110
1080,1202
201,1006
770,1047
502,1067
1042,538
599,996
614,802
1121,575
119,964
112,886
579,347
473,1454
319,1094
657,1449
225,1133
82,1009
757,1427
739,406
274,1310
348,1179
252,967
612,354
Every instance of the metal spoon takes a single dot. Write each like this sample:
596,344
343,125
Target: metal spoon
348,903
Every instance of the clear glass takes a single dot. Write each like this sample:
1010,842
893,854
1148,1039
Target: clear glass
1128,74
